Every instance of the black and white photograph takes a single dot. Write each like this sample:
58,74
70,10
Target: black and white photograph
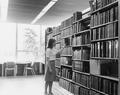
59,47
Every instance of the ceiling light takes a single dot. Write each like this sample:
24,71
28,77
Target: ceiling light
4,9
45,9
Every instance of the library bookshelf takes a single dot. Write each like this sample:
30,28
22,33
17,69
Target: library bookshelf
89,65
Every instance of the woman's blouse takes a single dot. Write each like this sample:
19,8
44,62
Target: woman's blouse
51,53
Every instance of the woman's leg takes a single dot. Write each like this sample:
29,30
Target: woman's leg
50,87
46,86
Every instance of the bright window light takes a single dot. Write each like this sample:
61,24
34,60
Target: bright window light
4,9
45,9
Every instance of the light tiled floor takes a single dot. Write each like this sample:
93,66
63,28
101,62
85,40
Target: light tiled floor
27,86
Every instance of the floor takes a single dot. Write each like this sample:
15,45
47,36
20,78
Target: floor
27,86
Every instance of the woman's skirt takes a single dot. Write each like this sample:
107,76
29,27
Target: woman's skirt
50,76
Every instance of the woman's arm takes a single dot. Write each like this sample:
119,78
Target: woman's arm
59,51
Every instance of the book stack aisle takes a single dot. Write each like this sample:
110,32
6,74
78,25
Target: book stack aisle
89,64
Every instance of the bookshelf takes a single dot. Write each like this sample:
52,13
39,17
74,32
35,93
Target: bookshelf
104,47
75,58
89,65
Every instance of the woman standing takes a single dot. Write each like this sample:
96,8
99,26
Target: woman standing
50,72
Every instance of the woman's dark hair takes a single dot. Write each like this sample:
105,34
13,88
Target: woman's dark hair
50,43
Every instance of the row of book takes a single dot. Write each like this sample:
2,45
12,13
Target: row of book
67,23
80,26
107,49
104,85
97,4
66,60
108,31
56,30
81,54
67,85
80,90
76,16
57,38
104,17
57,62
104,67
69,42
82,39
66,73
66,32
73,88
92,92
57,71
81,66
67,51
81,79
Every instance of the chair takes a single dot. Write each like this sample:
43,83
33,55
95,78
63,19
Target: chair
10,66
29,66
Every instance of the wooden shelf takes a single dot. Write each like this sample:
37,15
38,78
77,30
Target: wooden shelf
83,19
81,60
99,91
81,85
70,66
66,55
105,39
103,58
105,7
58,58
81,32
85,45
81,72
106,77
66,27
56,34
97,26
70,80
67,36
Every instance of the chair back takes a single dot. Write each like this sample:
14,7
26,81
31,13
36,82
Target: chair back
29,64
10,65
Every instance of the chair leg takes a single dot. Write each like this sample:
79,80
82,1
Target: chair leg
33,73
5,72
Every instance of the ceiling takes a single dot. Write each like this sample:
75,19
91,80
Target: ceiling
24,11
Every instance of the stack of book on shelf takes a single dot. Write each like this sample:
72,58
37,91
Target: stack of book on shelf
58,72
67,51
104,67
107,86
66,73
66,85
81,54
104,47
97,4
67,22
81,66
56,30
81,79
67,32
